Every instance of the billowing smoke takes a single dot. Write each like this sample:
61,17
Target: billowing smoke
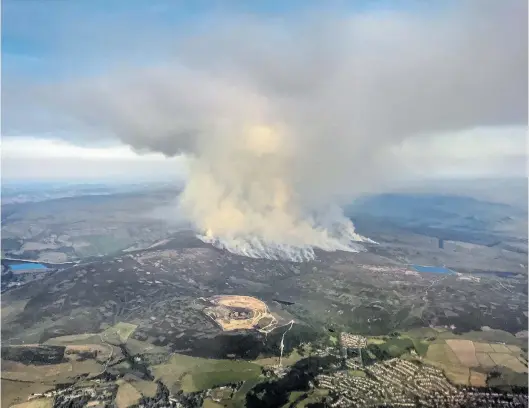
283,120
243,198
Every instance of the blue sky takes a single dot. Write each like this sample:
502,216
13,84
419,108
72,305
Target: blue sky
73,46
48,40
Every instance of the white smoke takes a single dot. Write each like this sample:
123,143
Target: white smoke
282,121
241,196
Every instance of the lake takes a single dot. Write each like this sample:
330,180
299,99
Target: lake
432,269
27,266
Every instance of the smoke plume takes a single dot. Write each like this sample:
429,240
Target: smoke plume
281,121
242,196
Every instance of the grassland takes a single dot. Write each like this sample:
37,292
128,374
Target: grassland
401,345
80,339
17,392
145,388
209,403
119,333
397,346
477,379
421,346
457,374
464,358
313,396
465,351
11,310
135,347
459,357
38,403
238,400
202,380
357,373
77,359
291,359
483,347
194,373
127,395
103,351
49,374
485,360
489,336
442,353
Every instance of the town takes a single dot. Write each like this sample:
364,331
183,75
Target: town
400,382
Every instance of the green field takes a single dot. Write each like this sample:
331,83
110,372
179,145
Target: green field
239,399
356,373
135,347
202,380
419,344
11,310
211,404
397,346
423,332
415,339
75,339
195,373
313,396
119,333
289,360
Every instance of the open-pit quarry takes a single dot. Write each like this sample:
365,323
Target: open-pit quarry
233,312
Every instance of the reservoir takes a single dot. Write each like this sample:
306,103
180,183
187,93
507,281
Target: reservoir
432,269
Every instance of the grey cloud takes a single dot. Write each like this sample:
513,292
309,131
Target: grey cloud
359,81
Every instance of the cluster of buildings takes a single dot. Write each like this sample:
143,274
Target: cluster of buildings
403,383
348,340
352,345
354,363
98,394
327,351
418,380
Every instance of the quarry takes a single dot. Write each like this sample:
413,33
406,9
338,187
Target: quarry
233,312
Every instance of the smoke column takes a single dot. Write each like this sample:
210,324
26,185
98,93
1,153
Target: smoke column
242,200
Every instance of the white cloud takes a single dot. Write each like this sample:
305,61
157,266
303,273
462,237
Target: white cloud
477,152
38,147
481,143
30,158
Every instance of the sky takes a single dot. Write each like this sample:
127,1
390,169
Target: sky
129,89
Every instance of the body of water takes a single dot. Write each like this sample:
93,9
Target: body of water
432,269
27,266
